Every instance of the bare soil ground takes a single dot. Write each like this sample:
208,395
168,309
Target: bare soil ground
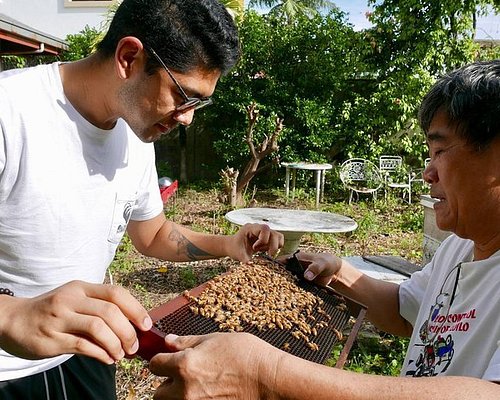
154,282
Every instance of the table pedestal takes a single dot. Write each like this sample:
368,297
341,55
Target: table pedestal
292,241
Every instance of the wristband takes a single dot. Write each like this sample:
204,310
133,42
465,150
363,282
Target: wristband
6,291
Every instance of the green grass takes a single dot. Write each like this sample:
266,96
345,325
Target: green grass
188,277
124,261
373,353
377,354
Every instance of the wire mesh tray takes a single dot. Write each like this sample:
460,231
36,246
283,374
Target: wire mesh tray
176,317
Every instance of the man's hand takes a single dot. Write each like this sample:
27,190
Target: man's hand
76,318
323,268
215,366
254,238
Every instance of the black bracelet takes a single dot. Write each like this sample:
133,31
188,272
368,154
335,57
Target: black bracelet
6,291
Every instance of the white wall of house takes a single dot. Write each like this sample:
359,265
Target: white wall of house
56,17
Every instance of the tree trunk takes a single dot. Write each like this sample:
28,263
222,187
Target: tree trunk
234,187
230,180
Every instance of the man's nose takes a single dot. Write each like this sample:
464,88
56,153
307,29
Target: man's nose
184,117
430,173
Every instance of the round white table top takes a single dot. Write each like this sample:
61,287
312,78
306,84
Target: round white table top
304,165
288,220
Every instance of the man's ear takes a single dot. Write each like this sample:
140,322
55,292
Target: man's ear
129,57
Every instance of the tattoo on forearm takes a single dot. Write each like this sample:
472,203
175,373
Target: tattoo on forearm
185,247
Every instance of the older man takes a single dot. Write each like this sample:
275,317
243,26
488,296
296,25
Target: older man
77,170
450,309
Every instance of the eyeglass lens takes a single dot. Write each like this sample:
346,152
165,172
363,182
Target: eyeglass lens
189,102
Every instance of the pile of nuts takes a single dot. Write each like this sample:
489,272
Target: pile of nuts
264,296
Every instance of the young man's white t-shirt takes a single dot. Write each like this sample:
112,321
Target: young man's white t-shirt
67,192
454,305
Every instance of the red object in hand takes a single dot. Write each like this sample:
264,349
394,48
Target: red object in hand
151,343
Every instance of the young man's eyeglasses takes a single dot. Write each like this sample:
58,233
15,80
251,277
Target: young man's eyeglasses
189,102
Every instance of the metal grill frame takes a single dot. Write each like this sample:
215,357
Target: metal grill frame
152,342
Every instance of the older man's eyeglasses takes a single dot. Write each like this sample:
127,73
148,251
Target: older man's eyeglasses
189,103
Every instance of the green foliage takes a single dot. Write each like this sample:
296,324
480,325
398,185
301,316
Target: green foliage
489,52
188,277
131,367
319,76
25,61
413,42
383,120
82,44
377,354
411,220
342,93
124,260
235,7
368,222
297,71
164,169
426,34
11,62
290,9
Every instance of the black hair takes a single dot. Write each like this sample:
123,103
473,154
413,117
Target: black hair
470,98
186,34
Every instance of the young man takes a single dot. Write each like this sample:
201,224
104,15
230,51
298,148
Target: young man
450,308
77,170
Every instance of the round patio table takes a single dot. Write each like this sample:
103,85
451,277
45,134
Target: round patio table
293,223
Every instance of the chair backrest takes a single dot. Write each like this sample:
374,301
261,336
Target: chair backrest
390,163
360,175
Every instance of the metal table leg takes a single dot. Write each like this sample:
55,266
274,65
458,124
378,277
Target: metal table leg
318,187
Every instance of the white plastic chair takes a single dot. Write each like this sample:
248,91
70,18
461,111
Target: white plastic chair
360,176
389,166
